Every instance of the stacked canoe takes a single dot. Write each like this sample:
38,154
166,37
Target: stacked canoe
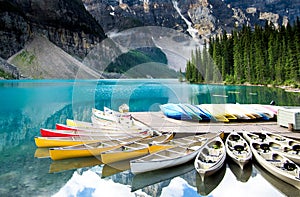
112,137
111,130
219,112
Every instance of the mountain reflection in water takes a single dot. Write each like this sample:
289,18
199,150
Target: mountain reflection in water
166,184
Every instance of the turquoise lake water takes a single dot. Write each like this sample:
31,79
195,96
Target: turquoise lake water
28,105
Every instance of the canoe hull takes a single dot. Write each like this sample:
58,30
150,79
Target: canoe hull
59,154
276,172
241,158
45,142
175,112
138,149
50,133
272,161
157,148
140,167
119,156
209,158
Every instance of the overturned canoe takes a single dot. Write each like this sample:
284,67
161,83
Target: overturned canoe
190,112
219,110
205,116
173,111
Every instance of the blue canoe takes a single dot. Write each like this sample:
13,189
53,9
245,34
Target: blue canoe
175,112
205,116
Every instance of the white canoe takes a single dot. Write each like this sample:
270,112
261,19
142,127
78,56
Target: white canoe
277,164
282,145
280,138
210,158
109,114
88,125
291,152
185,150
267,112
238,149
123,123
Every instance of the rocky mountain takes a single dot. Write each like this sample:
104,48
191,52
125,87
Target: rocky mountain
196,17
65,23
42,59
78,26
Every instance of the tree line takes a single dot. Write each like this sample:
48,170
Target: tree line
262,55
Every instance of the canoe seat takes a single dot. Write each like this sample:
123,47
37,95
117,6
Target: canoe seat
276,163
212,159
215,152
208,158
202,158
194,148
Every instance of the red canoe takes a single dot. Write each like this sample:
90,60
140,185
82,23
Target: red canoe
96,129
70,133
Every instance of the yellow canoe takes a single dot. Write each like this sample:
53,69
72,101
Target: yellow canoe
48,142
137,149
91,149
219,114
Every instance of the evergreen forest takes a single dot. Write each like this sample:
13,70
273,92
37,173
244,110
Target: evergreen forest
261,55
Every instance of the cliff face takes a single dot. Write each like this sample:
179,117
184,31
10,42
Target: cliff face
11,71
65,23
198,17
41,59
124,14
76,25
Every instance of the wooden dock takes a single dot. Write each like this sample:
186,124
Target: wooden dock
158,121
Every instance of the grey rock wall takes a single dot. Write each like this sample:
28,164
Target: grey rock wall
65,23
9,69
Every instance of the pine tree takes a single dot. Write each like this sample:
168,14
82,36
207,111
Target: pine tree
263,55
237,58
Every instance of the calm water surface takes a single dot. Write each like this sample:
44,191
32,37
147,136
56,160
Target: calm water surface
26,106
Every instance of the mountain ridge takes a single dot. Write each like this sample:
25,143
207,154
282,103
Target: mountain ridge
78,26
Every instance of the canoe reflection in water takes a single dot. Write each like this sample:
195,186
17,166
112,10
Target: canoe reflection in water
41,153
74,163
145,179
114,168
242,175
206,186
282,186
